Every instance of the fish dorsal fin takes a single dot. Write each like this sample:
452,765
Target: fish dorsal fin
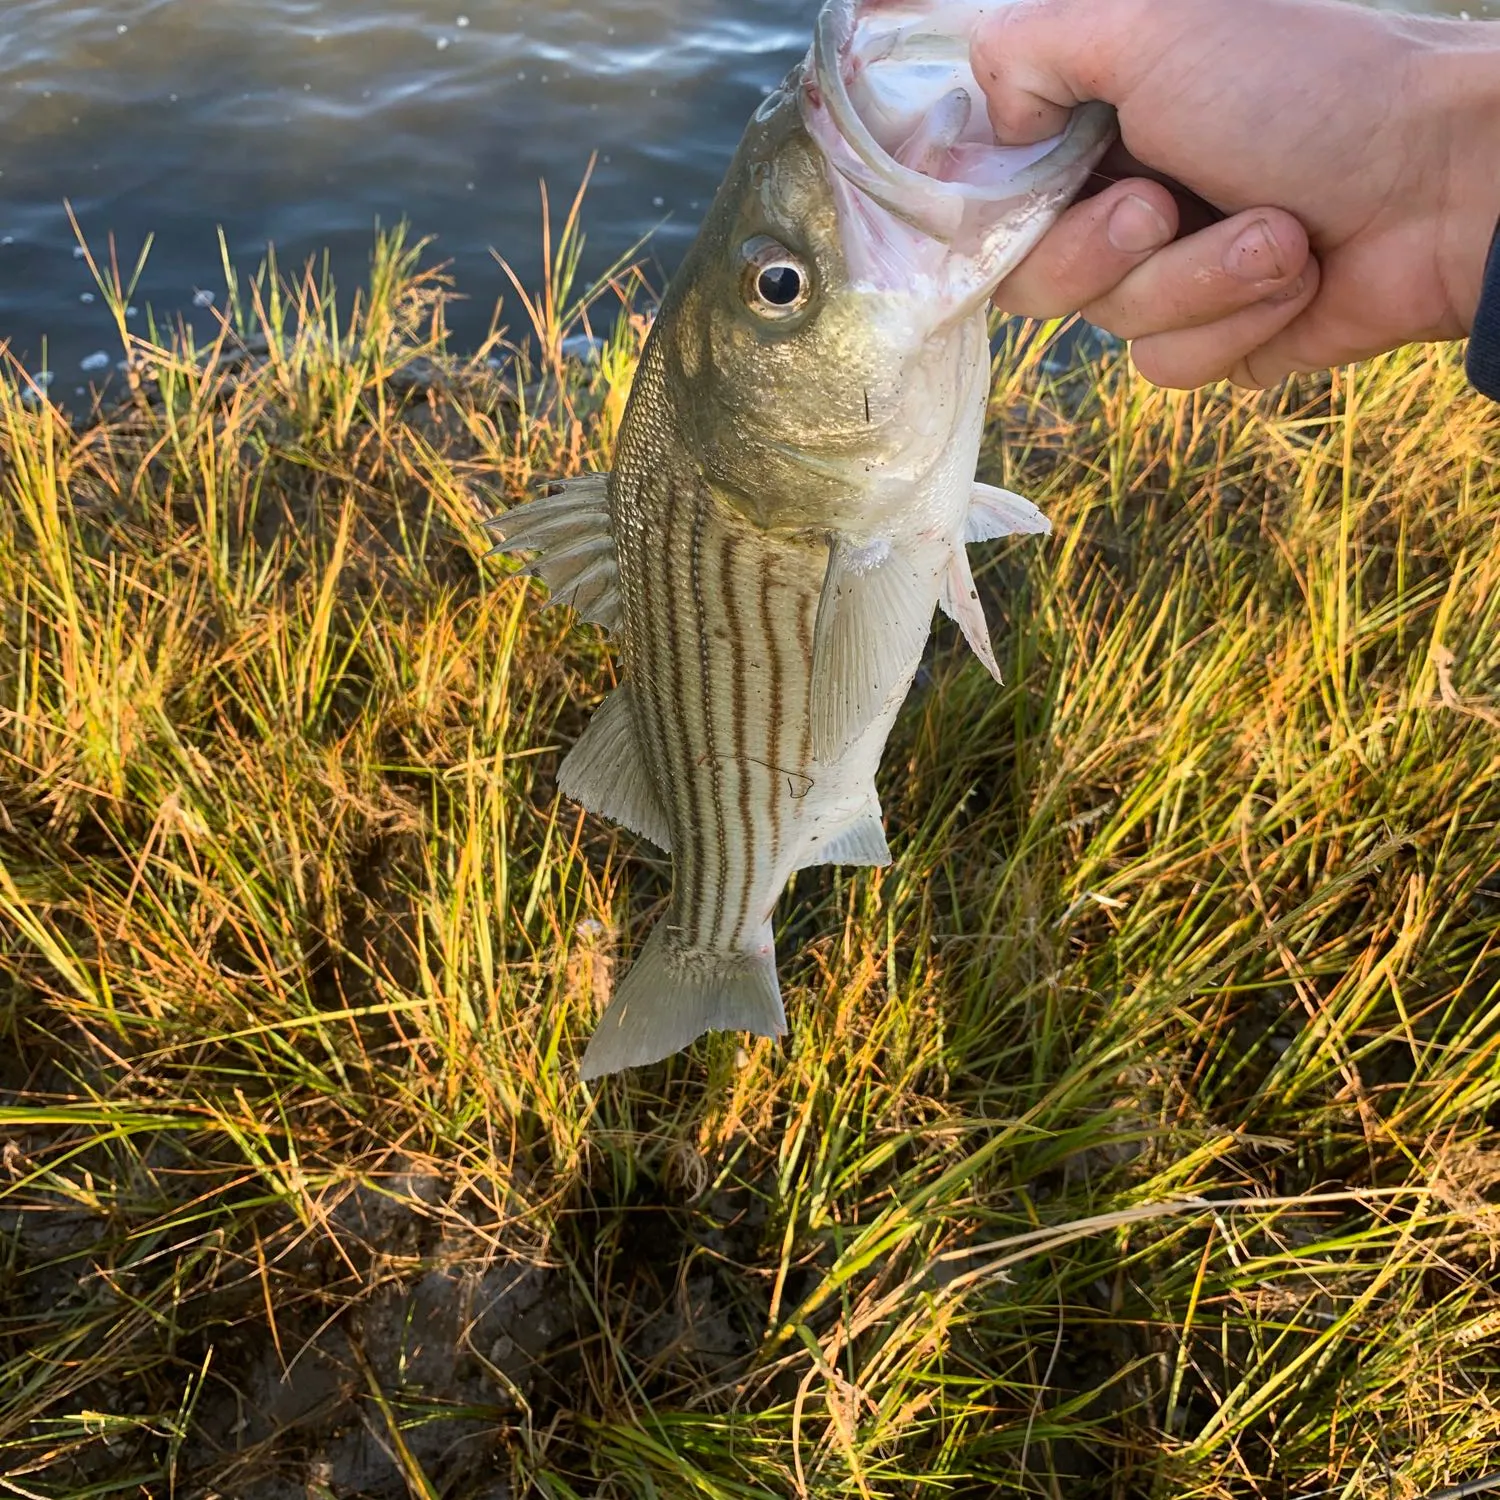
606,772
861,841
569,527
960,601
995,513
873,617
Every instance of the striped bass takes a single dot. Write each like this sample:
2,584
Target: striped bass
791,495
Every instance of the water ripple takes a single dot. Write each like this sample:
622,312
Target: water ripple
305,121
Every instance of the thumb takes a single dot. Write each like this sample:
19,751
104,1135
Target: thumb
1036,60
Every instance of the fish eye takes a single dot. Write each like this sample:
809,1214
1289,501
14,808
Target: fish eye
776,283
779,285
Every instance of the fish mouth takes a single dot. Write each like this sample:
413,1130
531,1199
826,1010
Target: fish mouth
929,200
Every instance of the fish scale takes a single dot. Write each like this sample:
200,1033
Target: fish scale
792,496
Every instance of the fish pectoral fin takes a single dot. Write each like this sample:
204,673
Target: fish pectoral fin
995,513
606,772
960,601
670,996
873,617
569,527
861,841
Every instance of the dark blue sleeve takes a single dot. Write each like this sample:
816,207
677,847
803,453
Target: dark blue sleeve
1484,338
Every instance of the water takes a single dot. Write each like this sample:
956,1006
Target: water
303,122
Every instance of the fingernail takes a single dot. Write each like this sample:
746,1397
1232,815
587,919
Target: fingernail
1134,226
1255,255
1289,293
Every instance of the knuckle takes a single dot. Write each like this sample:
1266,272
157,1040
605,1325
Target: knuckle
1254,372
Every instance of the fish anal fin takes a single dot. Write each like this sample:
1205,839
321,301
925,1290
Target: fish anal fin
995,513
569,529
670,996
960,601
873,617
861,841
606,772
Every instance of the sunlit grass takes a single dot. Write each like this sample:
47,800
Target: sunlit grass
1136,1132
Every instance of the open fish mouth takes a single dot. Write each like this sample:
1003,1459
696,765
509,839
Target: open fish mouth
929,200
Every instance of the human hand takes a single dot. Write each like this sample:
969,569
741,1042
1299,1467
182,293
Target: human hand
1377,132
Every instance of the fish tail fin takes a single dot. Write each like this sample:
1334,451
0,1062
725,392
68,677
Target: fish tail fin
671,995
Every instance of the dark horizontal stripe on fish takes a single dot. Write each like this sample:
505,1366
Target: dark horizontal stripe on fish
715,767
776,716
728,556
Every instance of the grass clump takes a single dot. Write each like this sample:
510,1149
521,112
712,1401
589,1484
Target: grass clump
1137,1130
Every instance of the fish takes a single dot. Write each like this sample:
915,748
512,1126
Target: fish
792,493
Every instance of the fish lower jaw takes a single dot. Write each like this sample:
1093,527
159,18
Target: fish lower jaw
927,194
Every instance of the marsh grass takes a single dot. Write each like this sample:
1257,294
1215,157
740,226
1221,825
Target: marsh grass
1136,1132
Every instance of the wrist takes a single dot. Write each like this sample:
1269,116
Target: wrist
1462,74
